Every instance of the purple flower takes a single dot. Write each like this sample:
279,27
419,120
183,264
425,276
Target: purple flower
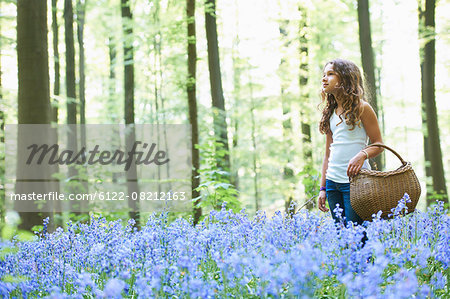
438,280
114,288
230,254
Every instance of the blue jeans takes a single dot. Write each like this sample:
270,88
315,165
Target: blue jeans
339,193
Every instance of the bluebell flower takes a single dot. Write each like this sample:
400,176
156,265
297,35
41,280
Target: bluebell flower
401,207
338,212
114,288
438,280
230,254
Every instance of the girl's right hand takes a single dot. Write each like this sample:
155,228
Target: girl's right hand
322,199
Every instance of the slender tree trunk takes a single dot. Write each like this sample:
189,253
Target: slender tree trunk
112,80
192,104
236,96
2,144
72,135
33,95
161,96
70,64
128,61
288,172
367,57
255,149
81,10
432,146
112,97
56,66
215,79
309,180
56,93
428,184
132,182
156,69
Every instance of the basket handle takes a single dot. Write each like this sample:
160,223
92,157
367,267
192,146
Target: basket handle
387,147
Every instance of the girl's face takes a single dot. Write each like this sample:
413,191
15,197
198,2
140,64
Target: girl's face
330,80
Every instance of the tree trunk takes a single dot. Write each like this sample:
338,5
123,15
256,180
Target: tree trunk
237,97
70,64
215,79
112,80
288,172
132,182
33,95
2,144
111,106
432,145
309,181
72,135
56,93
161,96
81,10
367,58
157,70
255,149
56,66
192,104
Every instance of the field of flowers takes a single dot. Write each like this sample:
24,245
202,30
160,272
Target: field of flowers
231,255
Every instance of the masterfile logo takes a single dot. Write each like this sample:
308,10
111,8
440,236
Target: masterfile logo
94,156
119,163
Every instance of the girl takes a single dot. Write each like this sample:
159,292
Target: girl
347,120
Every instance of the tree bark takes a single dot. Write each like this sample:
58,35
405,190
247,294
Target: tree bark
432,145
56,93
215,79
254,144
72,135
2,144
70,64
158,78
112,80
367,58
33,93
81,11
56,65
304,98
237,69
128,53
192,104
288,172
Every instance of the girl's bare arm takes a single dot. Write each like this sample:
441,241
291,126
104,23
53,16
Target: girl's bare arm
370,122
322,194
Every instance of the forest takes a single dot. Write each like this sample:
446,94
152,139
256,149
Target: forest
221,103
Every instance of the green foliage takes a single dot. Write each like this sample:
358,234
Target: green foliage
330,287
9,232
435,197
311,180
215,183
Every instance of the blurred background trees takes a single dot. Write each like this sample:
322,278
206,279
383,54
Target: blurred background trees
247,72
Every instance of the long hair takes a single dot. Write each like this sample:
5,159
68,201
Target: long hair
351,90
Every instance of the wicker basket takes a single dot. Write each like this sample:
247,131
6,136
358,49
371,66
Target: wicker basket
372,191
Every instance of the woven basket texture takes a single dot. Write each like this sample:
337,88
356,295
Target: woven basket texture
372,191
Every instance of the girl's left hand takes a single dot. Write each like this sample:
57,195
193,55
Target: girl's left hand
355,164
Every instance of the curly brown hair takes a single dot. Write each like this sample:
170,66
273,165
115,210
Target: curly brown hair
351,90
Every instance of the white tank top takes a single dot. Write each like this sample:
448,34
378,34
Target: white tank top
346,144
